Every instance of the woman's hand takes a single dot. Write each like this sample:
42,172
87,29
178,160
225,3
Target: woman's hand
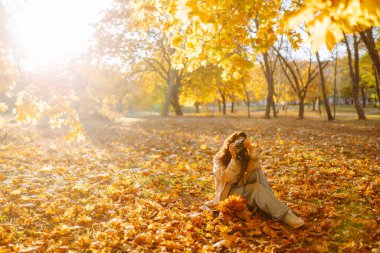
232,150
248,145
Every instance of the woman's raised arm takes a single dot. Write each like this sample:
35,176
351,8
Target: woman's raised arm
226,173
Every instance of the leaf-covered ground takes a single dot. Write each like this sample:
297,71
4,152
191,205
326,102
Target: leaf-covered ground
136,186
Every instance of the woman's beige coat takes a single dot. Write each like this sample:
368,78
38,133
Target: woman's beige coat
225,176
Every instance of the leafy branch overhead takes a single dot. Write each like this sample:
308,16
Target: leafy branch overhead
325,20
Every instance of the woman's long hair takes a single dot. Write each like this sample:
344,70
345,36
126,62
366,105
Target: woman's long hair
242,156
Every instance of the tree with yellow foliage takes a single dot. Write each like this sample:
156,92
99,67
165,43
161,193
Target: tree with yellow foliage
218,30
229,35
369,78
300,74
254,86
200,87
324,87
353,64
49,95
329,22
46,94
373,51
268,61
140,37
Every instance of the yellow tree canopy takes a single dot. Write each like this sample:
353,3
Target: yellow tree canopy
216,29
227,33
326,19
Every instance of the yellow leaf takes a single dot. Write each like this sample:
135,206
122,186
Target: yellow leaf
203,146
65,229
16,192
176,41
75,134
224,229
318,36
305,14
46,169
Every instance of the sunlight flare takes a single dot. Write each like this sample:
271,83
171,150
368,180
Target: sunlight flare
53,31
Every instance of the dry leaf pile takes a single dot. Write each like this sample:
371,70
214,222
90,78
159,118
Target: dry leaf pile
136,186
234,207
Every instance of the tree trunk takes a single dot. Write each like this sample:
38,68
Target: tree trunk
278,109
270,84
248,99
274,109
335,67
175,99
119,106
249,108
362,90
165,109
177,109
323,87
232,106
302,107
369,41
224,103
355,77
196,104
376,74
219,106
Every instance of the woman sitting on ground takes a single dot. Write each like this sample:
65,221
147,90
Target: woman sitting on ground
237,172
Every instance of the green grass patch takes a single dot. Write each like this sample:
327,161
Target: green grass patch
348,231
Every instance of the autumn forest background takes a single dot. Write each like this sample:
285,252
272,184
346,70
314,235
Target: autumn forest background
111,112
